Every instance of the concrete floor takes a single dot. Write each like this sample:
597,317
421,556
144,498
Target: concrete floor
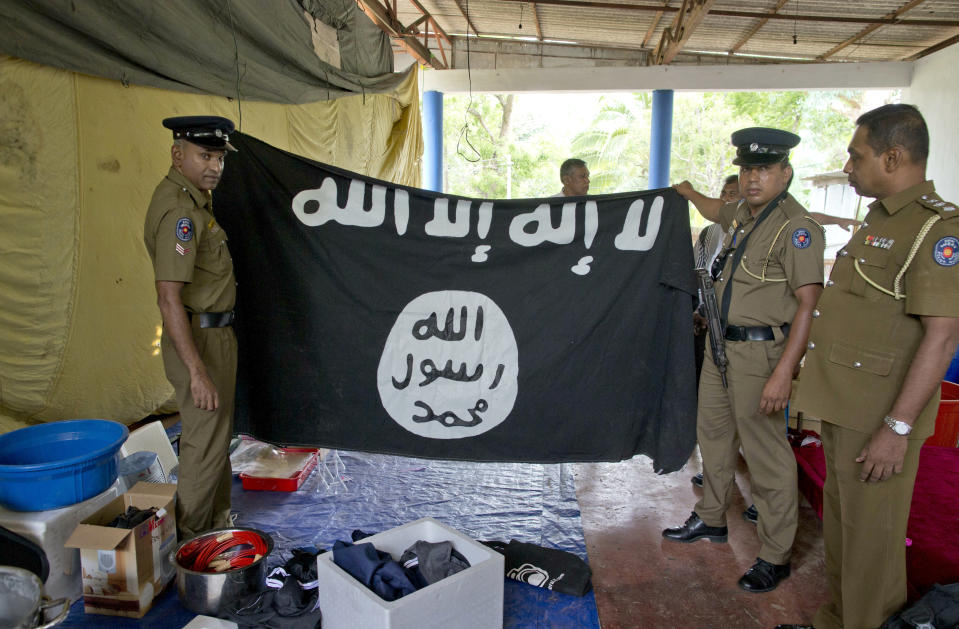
645,582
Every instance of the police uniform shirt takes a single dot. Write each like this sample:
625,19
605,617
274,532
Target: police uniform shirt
186,244
786,252
863,339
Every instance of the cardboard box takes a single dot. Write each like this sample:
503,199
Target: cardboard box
123,569
49,530
471,599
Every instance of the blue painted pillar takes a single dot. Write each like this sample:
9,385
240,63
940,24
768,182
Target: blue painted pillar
433,141
660,138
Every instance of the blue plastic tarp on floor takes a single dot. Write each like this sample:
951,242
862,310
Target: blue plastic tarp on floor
486,501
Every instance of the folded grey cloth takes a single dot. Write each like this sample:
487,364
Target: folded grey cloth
434,561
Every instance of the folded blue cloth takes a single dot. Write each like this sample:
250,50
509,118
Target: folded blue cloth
374,569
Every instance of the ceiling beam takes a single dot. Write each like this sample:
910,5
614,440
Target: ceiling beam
469,22
690,15
539,29
653,24
756,27
753,15
436,26
415,26
931,49
382,17
869,29
439,44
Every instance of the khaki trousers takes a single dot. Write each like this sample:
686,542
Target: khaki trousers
729,417
204,479
864,530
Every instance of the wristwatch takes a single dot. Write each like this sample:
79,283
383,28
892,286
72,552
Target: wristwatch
898,427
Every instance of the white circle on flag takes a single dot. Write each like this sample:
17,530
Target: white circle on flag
450,366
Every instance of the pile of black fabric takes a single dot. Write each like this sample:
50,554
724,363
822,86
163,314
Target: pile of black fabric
290,600
132,517
421,564
937,609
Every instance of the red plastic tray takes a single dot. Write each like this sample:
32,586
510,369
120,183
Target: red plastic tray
291,483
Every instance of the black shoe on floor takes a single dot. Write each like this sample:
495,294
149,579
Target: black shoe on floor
697,480
751,514
694,529
763,576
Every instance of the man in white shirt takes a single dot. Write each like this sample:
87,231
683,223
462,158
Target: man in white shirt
575,177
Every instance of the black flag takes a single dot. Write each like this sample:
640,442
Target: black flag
383,318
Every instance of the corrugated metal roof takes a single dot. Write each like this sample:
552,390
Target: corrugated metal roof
626,26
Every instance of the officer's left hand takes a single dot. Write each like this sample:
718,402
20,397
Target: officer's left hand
882,457
700,325
776,391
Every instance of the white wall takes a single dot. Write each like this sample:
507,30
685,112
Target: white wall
828,76
935,91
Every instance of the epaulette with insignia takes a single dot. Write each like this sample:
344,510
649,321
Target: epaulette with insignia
816,223
791,210
943,208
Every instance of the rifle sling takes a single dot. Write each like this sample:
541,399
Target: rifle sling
738,255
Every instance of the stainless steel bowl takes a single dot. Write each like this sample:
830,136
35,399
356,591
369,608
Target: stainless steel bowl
210,593
22,603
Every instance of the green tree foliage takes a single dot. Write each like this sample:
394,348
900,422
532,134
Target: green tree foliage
488,142
701,152
824,121
611,132
615,145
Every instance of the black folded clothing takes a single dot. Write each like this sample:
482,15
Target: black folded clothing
289,599
548,568
132,517
430,562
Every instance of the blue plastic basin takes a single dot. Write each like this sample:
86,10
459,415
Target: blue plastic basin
58,464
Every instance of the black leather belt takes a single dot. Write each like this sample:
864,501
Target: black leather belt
214,319
753,332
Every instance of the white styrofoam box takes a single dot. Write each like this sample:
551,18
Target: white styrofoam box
471,599
152,438
50,530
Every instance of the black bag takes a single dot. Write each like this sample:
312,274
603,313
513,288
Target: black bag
21,552
548,568
938,609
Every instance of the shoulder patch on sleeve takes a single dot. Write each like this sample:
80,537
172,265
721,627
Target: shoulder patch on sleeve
801,238
946,251
184,229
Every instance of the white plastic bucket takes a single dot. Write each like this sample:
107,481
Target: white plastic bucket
140,466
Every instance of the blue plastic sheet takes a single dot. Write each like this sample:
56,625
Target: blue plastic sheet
372,492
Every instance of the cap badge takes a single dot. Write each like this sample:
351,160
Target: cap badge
754,147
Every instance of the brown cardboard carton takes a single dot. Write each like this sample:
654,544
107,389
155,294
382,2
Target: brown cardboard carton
124,569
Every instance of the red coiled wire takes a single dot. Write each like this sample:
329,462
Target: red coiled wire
226,551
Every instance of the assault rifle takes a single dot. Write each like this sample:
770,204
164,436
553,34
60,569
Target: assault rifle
717,335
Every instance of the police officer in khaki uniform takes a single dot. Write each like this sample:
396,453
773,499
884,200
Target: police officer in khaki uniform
196,293
885,333
768,279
